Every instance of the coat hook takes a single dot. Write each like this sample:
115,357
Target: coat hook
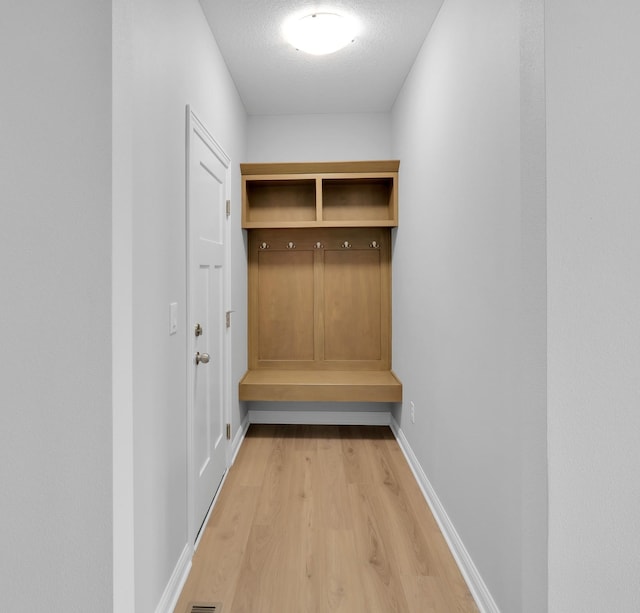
291,245
346,245
318,245
264,245
374,245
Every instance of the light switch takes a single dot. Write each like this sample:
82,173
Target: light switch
173,318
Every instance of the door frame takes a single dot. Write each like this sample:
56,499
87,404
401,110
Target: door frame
194,124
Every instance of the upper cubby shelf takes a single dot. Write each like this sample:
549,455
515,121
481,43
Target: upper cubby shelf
329,194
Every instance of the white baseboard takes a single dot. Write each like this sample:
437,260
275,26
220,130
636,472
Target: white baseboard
324,418
470,573
178,578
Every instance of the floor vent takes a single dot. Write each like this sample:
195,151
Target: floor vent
204,608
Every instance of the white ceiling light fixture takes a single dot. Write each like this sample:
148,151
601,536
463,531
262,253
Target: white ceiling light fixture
320,33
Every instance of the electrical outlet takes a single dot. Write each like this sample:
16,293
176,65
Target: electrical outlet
413,412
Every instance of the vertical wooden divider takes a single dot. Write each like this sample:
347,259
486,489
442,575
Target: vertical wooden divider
318,270
319,216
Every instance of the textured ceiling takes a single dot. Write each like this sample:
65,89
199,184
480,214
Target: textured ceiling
275,79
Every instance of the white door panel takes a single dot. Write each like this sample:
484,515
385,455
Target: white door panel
206,214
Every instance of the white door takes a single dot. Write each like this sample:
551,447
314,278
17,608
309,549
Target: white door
206,219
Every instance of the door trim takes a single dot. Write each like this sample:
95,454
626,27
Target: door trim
194,124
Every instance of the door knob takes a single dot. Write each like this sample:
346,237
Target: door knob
202,358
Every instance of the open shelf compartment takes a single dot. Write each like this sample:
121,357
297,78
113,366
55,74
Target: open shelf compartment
271,201
358,199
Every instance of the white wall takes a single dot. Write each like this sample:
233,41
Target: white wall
172,61
533,346
593,97
317,138
55,329
467,249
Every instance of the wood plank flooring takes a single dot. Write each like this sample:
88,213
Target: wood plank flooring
315,519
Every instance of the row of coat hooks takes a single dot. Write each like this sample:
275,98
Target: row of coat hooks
320,245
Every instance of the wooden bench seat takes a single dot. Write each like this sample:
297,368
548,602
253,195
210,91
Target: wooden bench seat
321,386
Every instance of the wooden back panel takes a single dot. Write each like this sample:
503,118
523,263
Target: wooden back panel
320,299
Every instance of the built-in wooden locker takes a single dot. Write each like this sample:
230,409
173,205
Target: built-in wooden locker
320,281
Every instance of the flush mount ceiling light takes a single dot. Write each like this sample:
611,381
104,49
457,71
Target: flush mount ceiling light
320,33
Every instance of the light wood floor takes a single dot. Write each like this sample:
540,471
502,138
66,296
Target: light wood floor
323,518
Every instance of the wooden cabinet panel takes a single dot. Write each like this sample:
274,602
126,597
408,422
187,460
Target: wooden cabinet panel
319,298
285,305
352,298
